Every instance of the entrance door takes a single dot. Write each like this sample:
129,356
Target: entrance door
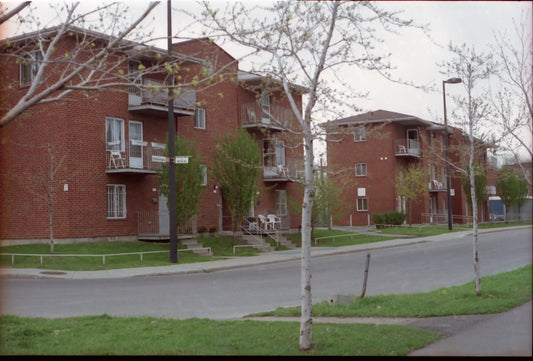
413,146
164,220
265,107
136,141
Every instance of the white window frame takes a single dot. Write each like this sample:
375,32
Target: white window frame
204,174
361,207
28,68
199,118
116,122
359,135
116,201
360,169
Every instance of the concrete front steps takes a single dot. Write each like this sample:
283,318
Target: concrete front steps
192,244
285,242
259,243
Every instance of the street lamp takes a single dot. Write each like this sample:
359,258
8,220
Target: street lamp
448,182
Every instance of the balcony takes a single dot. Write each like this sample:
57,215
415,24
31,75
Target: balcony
151,99
407,148
275,117
135,158
437,186
283,172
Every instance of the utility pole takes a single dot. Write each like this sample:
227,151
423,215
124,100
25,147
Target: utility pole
171,150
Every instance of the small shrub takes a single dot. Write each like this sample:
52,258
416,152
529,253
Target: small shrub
381,219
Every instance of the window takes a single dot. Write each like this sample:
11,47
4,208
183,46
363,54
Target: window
116,201
360,169
114,134
135,77
273,152
359,135
204,174
199,118
265,107
29,67
362,204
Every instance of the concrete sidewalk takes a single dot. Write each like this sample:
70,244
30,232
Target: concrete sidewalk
502,334
505,334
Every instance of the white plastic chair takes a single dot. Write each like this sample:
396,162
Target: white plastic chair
116,158
264,222
274,221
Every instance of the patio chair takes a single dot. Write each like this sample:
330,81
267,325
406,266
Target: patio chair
274,221
116,158
264,222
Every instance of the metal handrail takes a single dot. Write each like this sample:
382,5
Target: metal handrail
94,255
340,235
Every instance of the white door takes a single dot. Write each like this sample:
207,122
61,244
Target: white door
136,141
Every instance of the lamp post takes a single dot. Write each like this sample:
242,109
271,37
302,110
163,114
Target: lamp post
448,182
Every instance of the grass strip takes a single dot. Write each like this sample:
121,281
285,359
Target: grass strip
501,292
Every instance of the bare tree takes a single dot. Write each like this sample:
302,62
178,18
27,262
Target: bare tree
88,66
43,183
513,99
305,42
472,113
5,16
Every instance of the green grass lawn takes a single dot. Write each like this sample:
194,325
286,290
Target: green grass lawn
429,230
500,293
336,238
220,247
104,335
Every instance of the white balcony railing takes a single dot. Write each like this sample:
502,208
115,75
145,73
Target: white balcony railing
436,185
407,147
153,93
290,171
276,116
135,157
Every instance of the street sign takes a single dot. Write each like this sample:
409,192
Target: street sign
160,159
181,160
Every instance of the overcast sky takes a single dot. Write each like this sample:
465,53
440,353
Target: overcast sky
414,55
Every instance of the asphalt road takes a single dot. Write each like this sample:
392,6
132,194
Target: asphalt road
238,292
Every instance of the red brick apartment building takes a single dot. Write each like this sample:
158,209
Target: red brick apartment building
102,143
372,147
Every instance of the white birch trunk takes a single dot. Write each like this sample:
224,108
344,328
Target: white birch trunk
474,217
306,321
